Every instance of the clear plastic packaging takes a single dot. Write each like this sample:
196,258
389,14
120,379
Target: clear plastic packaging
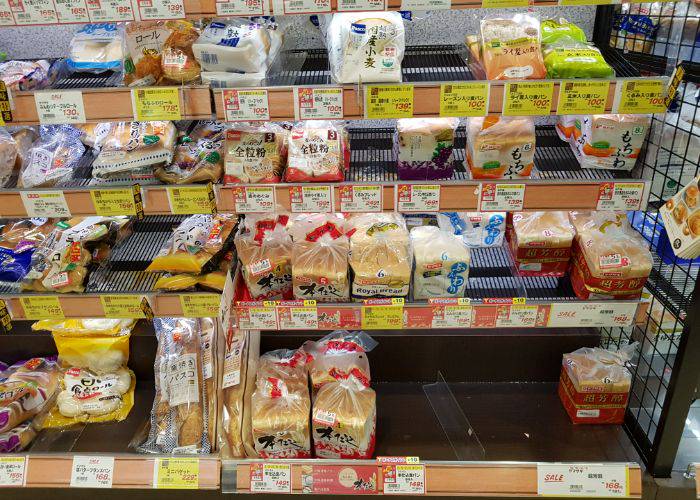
554,30
500,147
319,151
198,156
510,48
442,263
212,281
565,126
178,62
94,134
8,157
24,138
591,367
96,48
210,372
18,240
425,148
477,229
30,75
52,158
339,351
19,437
540,243
255,153
232,383
568,58
144,53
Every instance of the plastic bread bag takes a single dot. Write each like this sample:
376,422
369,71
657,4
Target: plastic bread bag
320,257
18,240
610,142
554,30
511,48
24,138
593,366
500,147
568,58
17,438
214,281
380,256
364,47
223,80
232,384
319,151
540,242
94,134
179,421
287,364
253,347
144,53
602,221
178,62
196,245
198,156
135,148
442,263
477,229
8,157
29,75
565,127
265,250
255,153
52,159
96,48
98,326
342,351
425,148
208,337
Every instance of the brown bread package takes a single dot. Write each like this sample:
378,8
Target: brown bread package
233,377
251,372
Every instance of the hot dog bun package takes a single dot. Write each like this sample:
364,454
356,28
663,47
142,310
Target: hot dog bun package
540,242
510,48
319,151
477,229
500,147
424,148
681,216
442,263
255,153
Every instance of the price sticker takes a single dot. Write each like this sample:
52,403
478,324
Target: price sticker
270,478
564,314
176,473
110,202
361,5
620,196
191,200
640,96
388,101
253,199
383,317
45,204
322,103
403,479
501,197
71,11
315,199
580,97
42,307
503,4
512,316
452,316
6,17
5,318
527,98
92,472
418,197
200,305
246,105
123,306
34,12
110,10
357,198
306,6
584,480
257,318
156,104
298,318
464,99
161,9
60,106
12,471
241,8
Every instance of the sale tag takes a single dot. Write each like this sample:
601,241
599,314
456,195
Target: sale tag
241,7
46,307
92,472
60,106
123,306
501,197
403,479
584,480
190,200
361,5
253,199
246,105
71,11
452,316
527,98
156,104
512,316
102,11
161,9
358,198
620,196
306,6
257,318
565,314
270,478
418,197
5,103
640,96
176,473
45,203
502,4
110,202
34,12
12,471
322,103
580,97
464,99
315,199
388,101
383,317
200,305
298,318
339,479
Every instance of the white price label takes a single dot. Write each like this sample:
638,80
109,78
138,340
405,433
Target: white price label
323,103
60,106
425,4
12,471
110,10
315,199
253,199
510,316
161,9
29,12
584,480
404,479
45,203
501,197
241,8
620,196
92,472
306,6
246,105
610,313
361,198
72,11
361,5
270,478
6,17
298,318
418,197
257,318
452,316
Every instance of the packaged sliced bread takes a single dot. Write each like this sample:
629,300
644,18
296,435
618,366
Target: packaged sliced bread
540,242
510,48
425,148
500,147
442,263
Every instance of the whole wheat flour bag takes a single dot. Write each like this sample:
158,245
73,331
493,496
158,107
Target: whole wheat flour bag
320,257
540,242
339,351
425,148
198,156
255,153
232,384
511,48
319,151
500,147
144,52
442,263
610,142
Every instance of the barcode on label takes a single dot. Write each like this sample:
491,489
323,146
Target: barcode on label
150,10
382,101
50,115
607,311
209,58
99,12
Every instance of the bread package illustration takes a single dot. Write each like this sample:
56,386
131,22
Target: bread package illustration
540,242
510,48
500,147
476,229
425,148
442,263
255,153
681,216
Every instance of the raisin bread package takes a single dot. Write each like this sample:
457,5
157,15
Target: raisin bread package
540,242
255,153
339,351
442,263
319,151
425,148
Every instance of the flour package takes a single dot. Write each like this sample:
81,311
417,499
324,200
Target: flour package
365,48
477,229
442,263
96,48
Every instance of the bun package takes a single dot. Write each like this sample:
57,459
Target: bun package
198,156
178,63
425,148
144,53
255,152
18,241
681,216
510,48
610,142
319,151
442,263
53,158
500,147
96,48
540,243
476,229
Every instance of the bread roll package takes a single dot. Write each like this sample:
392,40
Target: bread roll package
265,250
500,147
339,351
319,151
255,153
53,158
178,62
424,148
18,438
476,229
681,216
320,257
380,256
233,377
96,48
198,156
540,242
511,48
442,263
8,157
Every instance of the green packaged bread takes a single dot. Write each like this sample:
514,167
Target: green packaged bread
569,60
553,30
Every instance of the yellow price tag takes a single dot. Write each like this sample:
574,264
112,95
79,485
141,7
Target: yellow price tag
382,317
200,305
191,200
109,202
640,96
5,318
122,306
527,98
5,109
464,99
42,307
388,101
580,97
159,103
502,4
176,473
518,300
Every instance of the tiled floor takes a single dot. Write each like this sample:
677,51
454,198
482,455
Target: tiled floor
689,449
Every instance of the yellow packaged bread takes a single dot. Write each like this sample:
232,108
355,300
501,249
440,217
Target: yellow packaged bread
178,62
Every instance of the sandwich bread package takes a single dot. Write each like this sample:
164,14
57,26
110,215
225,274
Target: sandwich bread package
320,257
198,156
540,242
233,376
144,53
500,147
380,256
681,216
510,48
365,48
52,158
319,151
339,350
18,240
255,153
178,62
265,250
96,48
424,148
442,263
477,229
567,53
